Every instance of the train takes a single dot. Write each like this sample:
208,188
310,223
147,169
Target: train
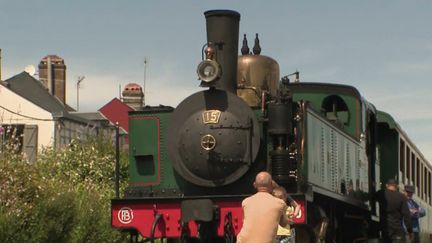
331,149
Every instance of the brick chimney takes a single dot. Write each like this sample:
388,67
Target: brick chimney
52,73
133,96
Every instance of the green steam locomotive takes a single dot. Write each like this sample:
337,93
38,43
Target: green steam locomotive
191,166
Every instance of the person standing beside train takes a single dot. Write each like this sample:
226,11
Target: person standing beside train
393,211
262,213
416,212
286,234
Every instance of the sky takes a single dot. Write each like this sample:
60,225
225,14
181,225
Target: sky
383,48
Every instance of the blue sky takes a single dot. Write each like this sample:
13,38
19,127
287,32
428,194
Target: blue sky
383,48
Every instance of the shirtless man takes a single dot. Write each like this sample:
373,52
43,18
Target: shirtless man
262,213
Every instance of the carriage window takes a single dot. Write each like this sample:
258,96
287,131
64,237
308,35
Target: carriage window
402,158
408,165
335,109
425,183
413,168
421,174
363,120
417,178
429,189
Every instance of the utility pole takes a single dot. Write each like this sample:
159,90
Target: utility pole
80,79
117,160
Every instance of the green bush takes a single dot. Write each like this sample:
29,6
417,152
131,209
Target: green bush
54,218
63,197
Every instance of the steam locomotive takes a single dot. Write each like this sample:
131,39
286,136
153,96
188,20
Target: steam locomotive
191,166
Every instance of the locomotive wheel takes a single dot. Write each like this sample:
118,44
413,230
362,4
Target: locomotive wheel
304,234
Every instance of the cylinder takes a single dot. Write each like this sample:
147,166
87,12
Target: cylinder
223,32
283,166
279,116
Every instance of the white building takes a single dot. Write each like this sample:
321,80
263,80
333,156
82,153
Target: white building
36,118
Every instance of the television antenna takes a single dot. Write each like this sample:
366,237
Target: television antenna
80,79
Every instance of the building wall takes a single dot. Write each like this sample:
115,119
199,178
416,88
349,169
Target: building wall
15,103
67,130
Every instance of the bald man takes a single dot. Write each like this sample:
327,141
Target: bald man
262,213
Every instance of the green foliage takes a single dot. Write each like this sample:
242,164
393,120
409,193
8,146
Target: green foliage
54,218
63,197
87,164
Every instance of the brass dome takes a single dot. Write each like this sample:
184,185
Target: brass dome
256,74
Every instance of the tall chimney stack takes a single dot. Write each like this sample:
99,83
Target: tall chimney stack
52,73
223,32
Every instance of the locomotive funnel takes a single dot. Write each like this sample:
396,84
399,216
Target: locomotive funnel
223,32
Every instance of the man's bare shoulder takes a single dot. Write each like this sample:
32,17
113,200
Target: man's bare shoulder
280,202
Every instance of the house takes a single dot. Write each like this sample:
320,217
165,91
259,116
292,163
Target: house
117,113
29,111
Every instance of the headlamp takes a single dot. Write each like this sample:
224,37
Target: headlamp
209,71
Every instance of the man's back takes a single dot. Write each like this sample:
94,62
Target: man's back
262,213
394,210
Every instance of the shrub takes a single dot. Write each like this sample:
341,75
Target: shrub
54,218
63,197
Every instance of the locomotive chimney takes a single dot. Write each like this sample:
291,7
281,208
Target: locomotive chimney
223,32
